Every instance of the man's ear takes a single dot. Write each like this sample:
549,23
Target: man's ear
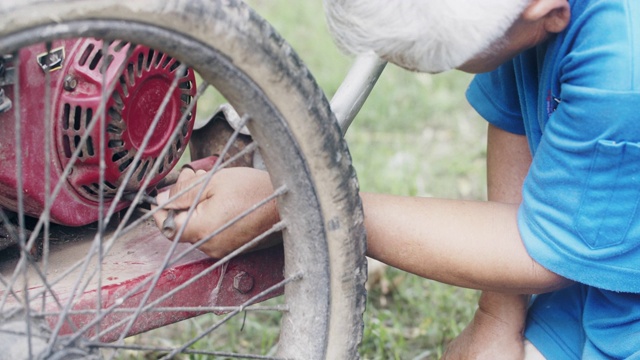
555,14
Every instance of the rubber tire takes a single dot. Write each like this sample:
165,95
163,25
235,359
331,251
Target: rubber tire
325,320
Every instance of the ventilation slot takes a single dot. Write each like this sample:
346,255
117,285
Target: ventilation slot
85,55
96,60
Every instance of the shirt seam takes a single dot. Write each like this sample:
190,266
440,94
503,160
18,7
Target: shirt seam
496,104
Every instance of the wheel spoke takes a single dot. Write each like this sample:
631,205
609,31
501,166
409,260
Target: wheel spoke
219,264
253,299
117,276
47,175
98,240
24,254
62,181
208,309
171,251
155,349
122,227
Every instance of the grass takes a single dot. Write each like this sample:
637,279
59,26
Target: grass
416,136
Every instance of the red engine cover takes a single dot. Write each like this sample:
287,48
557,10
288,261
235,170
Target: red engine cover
76,90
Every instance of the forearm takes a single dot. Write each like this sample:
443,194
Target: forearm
508,162
508,308
463,243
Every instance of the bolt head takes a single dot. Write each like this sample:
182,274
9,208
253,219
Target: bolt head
70,83
243,282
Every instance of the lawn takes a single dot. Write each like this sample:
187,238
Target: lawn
416,135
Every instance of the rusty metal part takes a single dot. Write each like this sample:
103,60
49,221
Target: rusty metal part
6,239
9,239
70,83
211,137
5,102
243,282
144,199
170,179
169,228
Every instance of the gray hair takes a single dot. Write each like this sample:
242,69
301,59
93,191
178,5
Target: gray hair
422,35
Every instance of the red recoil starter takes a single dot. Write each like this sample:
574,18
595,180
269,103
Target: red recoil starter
80,74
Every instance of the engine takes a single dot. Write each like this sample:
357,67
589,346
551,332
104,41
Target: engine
93,94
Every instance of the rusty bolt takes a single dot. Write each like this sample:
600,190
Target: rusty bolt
70,83
243,282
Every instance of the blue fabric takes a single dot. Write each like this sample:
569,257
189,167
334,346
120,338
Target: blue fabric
583,322
577,99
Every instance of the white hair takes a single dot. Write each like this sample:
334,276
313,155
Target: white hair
422,35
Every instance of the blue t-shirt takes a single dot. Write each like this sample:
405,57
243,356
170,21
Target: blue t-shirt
577,99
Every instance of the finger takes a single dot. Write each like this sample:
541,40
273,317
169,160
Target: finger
190,189
160,215
192,232
185,174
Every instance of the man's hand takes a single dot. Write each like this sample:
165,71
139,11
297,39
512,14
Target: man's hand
495,331
229,193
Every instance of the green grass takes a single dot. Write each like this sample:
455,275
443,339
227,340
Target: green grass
417,136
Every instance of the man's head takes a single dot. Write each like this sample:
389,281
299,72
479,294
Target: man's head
434,36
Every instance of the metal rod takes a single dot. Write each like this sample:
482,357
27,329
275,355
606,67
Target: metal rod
355,88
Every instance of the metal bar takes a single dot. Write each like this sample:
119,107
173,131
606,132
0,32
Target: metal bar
355,88
255,308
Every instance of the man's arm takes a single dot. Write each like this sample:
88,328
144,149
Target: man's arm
508,162
464,243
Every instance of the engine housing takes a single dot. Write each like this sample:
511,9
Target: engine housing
98,91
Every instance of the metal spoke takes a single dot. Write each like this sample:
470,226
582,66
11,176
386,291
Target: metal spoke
101,109
145,142
220,263
253,299
135,347
167,258
248,149
41,274
130,211
101,183
119,231
208,309
20,199
5,283
148,214
276,228
47,171
67,170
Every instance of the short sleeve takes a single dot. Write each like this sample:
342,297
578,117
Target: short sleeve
579,217
494,96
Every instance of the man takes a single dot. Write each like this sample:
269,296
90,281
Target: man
559,85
